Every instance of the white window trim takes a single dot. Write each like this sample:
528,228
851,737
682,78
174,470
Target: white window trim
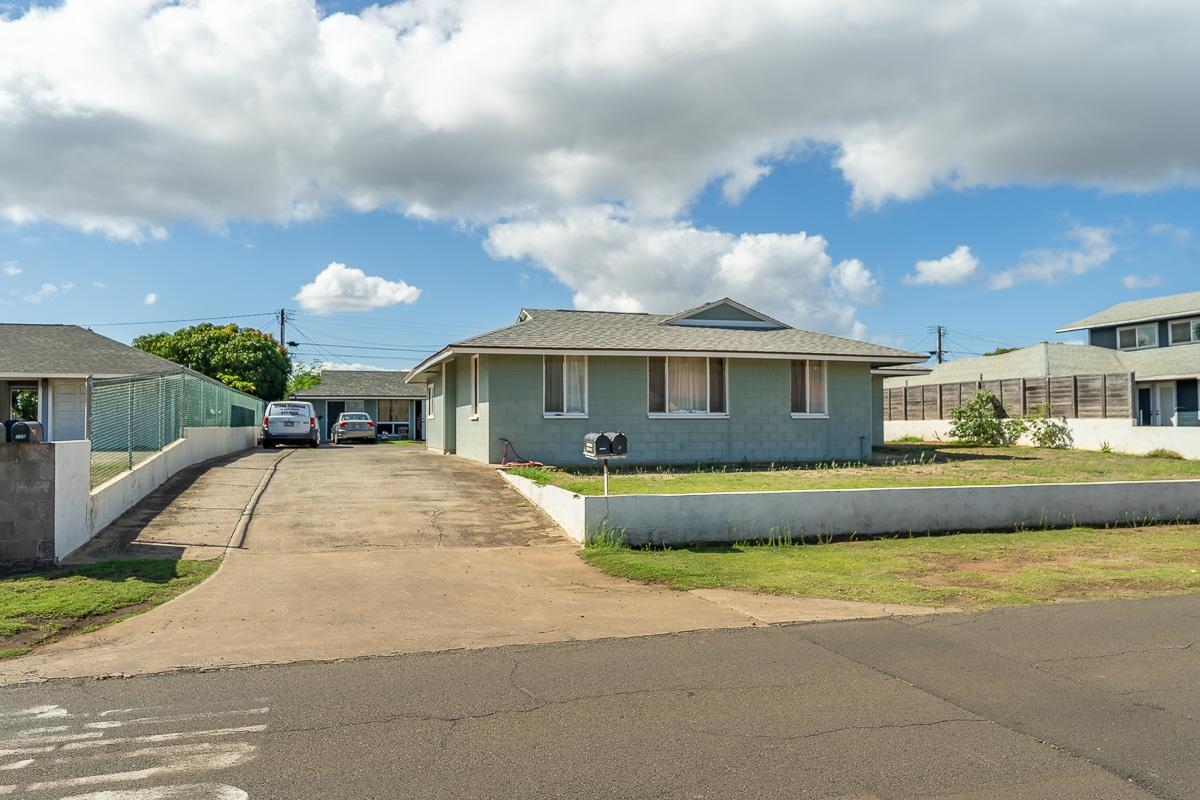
474,389
586,387
1134,328
1191,323
429,390
808,391
667,390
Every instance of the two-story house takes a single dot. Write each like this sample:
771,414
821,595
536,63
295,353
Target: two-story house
1156,339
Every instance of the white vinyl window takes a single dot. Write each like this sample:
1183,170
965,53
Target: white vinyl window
474,387
1185,331
429,400
684,385
809,389
1136,337
564,386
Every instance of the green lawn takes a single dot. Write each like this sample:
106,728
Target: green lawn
894,465
974,570
406,442
36,608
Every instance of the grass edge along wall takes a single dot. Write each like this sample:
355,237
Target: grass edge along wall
501,396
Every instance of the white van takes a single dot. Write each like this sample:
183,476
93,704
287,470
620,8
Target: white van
290,422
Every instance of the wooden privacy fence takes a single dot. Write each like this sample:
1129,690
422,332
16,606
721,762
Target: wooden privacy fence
1071,396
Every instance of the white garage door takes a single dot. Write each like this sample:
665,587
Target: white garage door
68,406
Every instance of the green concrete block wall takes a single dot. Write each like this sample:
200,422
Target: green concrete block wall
759,427
471,430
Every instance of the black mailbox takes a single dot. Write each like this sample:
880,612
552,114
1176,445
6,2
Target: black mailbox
23,432
618,445
597,445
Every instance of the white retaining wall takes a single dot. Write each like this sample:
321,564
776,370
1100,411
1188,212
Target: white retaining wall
565,508
72,477
83,513
738,516
1088,434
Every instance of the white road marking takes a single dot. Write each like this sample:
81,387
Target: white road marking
180,758
83,745
162,737
65,737
193,791
37,712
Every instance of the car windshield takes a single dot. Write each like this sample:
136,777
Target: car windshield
355,416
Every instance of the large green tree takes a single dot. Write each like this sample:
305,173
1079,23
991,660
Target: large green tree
304,376
244,358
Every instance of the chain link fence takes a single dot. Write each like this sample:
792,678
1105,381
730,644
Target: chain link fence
132,418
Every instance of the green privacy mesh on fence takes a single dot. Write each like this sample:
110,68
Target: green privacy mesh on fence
132,418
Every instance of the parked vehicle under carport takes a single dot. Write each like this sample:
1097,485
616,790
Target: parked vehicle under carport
353,426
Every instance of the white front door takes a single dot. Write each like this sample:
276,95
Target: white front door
1163,404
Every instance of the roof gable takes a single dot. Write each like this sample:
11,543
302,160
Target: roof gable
724,313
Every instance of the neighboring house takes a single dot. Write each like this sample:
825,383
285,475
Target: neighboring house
1141,364
55,361
396,405
720,382
1155,338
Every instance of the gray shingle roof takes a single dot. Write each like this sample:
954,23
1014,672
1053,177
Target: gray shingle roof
361,384
1050,359
69,350
1175,305
543,329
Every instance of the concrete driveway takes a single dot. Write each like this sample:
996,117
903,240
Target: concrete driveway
373,550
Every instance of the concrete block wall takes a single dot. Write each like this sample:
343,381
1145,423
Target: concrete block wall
26,505
759,426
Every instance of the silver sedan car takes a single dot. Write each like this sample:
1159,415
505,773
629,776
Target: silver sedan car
353,425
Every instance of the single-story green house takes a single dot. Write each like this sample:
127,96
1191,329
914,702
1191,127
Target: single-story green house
396,405
720,382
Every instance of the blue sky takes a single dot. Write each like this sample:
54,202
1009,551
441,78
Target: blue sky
632,166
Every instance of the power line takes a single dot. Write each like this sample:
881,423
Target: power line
173,321
319,349
430,349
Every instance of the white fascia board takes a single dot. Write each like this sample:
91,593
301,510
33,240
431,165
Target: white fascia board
1132,321
416,372
532,351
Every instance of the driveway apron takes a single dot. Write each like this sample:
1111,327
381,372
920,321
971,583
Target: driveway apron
361,550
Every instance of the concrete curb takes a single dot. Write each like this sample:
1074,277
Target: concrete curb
243,523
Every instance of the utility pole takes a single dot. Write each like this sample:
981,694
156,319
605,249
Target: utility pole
940,354
283,324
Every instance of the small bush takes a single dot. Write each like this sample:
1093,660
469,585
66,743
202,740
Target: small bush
1048,432
1105,447
606,537
1164,453
981,420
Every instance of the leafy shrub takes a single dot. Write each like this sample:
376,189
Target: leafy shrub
1105,447
1046,431
1163,453
981,420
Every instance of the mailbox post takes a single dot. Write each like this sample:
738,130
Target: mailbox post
603,446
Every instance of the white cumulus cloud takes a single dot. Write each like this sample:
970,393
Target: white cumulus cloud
615,262
342,288
958,267
1094,247
150,299
11,269
1141,281
216,110
47,290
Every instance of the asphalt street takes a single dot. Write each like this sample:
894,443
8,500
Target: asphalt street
1095,701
